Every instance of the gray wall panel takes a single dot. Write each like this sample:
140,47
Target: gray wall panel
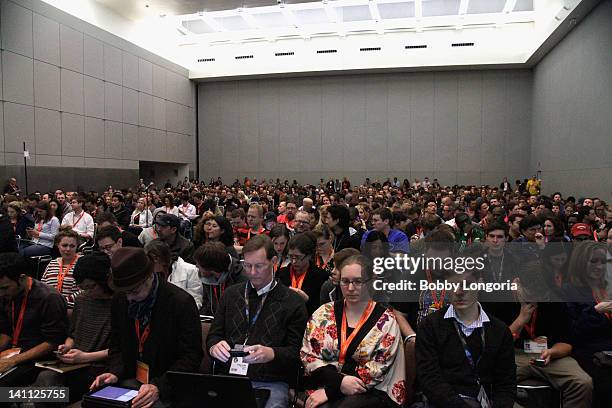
18,128
46,40
93,57
94,138
268,107
71,91
71,48
445,123
48,132
310,124
130,106
331,126
469,122
94,97
131,77
17,78
16,28
248,147
73,135
398,123
47,85
376,126
113,64
422,124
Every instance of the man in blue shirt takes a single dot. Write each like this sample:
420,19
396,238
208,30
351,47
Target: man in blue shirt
382,220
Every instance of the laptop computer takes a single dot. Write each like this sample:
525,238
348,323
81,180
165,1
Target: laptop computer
191,390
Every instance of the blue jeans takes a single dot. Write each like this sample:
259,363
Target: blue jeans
34,250
279,393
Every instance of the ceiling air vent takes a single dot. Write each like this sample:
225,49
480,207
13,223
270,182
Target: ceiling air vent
412,47
206,60
370,49
326,51
239,57
284,54
467,44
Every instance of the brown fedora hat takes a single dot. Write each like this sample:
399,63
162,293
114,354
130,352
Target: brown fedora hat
130,267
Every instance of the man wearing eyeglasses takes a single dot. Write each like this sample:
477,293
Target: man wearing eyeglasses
302,222
258,327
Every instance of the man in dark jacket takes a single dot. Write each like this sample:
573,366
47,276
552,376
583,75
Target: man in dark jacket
263,319
464,356
7,235
167,227
119,210
155,328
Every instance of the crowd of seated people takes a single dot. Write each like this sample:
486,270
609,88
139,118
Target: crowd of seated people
285,273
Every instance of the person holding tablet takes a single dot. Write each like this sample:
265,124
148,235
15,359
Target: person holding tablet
155,328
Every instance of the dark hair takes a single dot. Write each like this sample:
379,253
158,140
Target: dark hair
385,214
96,267
160,250
430,221
110,231
212,256
557,224
107,216
257,242
119,196
43,205
498,226
305,242
12,266
65,231
340,213
341,256
512,217
529,221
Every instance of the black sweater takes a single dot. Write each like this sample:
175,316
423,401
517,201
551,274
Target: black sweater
280,326
174,343
443,370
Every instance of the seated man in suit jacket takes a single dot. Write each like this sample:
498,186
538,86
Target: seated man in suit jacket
155,328
465,358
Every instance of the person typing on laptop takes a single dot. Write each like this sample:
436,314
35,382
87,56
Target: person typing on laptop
258,327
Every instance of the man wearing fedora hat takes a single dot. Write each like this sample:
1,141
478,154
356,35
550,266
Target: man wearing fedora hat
155,327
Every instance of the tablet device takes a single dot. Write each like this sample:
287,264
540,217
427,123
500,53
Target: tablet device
110,396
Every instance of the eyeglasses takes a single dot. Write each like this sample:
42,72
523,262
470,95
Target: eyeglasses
258,267
302,222
296,258
108,247
358,283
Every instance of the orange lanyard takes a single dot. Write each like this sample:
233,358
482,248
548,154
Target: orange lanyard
74,224
154,233
259,231
323,265
598,300
297,281
39,226
531,327
559,280
142,338
17,327
344,342
63,272
222,290
437,303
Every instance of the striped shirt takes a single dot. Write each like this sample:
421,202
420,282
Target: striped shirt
69,286
468,329
91,323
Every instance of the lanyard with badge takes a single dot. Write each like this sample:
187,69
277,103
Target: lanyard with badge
18,325
482,397
142,368
63,272
238,366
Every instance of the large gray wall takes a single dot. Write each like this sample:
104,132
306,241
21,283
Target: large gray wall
82,98
461,127
572,110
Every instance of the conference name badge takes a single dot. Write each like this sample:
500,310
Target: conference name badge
238,367
142,372
536,346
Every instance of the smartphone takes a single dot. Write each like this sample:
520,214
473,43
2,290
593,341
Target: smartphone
238,353
539,362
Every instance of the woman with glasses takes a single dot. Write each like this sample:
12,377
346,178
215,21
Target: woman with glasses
352,349
90,324
302,275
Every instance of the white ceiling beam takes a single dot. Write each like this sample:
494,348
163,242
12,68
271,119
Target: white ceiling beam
463,7
212,23
418,14
250,20
509,6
